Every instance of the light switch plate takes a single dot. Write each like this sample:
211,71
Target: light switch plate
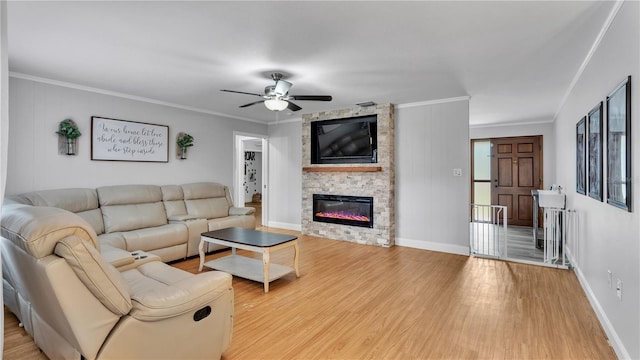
457,172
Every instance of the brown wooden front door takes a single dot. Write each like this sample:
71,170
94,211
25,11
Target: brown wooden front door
515,171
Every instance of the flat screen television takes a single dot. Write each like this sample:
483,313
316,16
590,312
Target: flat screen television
342,141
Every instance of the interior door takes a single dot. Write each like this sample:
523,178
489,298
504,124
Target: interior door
515,171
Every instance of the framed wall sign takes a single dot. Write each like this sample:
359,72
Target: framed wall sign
619,146
123,140
594,136
581,163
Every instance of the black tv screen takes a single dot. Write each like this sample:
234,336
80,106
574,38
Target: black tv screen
352,140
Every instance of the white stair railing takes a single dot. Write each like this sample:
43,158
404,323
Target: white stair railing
488,233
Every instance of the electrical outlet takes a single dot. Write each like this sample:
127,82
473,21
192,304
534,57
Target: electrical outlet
619,289
457,172
609,278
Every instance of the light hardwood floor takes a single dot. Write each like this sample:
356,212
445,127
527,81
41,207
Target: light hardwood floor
363,302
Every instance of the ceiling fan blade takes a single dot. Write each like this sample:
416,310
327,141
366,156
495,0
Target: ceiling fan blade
311,97
253,103
242,92
293,107
282,87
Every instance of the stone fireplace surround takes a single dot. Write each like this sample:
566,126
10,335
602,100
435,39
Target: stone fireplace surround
375,180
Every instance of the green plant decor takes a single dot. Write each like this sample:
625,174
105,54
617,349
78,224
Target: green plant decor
185,141
68,129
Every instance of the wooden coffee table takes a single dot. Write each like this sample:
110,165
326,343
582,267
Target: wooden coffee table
257,241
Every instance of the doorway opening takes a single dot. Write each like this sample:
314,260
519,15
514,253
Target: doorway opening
504,172
250,174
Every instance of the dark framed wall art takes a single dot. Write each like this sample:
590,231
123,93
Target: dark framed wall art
619,146
581,164
594,136
122,140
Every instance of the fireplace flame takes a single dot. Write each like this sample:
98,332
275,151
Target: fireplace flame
343,216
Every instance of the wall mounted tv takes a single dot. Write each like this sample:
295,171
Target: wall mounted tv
342,141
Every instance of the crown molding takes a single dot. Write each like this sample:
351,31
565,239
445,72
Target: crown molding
433,102
592,50
18,75
287,121
542,122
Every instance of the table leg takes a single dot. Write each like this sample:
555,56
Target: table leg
296,257
265,264
201,253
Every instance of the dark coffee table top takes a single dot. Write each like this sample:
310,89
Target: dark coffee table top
249,237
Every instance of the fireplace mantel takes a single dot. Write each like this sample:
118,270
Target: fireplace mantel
342,168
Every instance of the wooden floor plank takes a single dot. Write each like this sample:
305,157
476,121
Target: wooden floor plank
364,302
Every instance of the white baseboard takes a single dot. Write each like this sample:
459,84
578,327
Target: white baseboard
288,226
433,246
614,339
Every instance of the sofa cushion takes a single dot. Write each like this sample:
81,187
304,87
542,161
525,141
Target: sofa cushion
232,221
94,218
204,190
115,240
241,210
102,279
208,208
160,291
156,237
37,229
172,192
83,202
174,208
128,194
132,217
173,200
74,200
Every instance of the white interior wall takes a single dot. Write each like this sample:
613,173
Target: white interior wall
608,237
431,140
285,175
547,130
36,108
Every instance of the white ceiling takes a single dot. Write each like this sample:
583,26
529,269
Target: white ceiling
516,60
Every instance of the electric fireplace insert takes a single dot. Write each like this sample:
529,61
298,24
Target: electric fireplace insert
344,210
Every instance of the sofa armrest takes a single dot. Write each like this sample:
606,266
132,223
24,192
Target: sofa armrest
233,211
184,217
159,291
116,257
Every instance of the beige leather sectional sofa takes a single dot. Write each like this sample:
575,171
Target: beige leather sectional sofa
76,276
163,220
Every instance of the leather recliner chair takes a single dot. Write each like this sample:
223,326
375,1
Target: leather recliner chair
75,304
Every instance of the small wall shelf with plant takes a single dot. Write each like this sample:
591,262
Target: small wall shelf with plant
184,141
68,132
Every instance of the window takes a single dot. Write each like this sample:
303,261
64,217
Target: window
481,172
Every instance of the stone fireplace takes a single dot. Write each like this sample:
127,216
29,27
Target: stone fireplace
375,181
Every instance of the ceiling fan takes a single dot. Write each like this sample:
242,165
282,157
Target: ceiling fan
276,97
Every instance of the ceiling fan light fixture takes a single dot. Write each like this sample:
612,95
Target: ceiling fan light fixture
276,104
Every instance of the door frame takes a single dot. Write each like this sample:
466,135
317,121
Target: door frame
238,171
